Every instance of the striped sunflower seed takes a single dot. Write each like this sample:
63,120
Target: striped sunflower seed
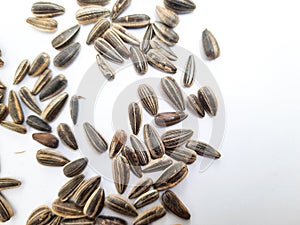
92,2
120,205
148,98
75,167
133,21
145,45
95,203
74,107
47,9
42,81
208,100
133,160
195,105
90,14
43,24
53,109
139,60
95,138
167,16
164,49
159,61
118,143
67,55
54,87
21,72
8,183
14,108
146,199
119,7
158,164
180,6
3,111
165,33
49,157
105,68
135,117
140,149
40,63
203,149
68,210
55,220
189,72
29,100
38,124
80,221
69,188
210,45
182,154
166,119
171,176
115,41
140,188
65,37
14,127
110,220
66,136
121,173
153,142
47,139
150,215
108,51
6,211
176,138
175,205
41,215
125,35
98,29
2,94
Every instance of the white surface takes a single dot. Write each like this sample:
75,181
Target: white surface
257,179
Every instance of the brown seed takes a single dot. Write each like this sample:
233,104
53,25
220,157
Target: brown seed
38,124
139,60
54,87
189,72
210,45
175,205
68,210
120,205
66,136
108,51
176,138
153,142
95,203
41,215
140,149
66,37
167,16
150,215
55,220
47,139
160,62
42,81
29,100
171,176
92,2
119,7
145,45
166,119
158,164
135,117
203,149
125,35
6,211
141,187
133,160
164,49
43,24
90,14
133,21
2,94
148,98
47,9
109,220
67,55
208,100
118,143
75,167
98,29
165,33
146,198
113,38
3,111
8,183
49,157
95,138
80,221
172,90
121,173
105,68
40,63
182,154
69,188
21,72
14,108
14,127
180,6
195,105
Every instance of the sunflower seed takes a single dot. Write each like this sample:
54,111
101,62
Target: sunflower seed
164,49
165,33
41,215
133,21
119,7
6,211
140,188
38,124
14,108
91,14
121,173
48,157
210,45
140,149
180,6
189,72
47,9
153,142
133,161
175,205
105,68
66,135
135,117
95,138
2,94
14,127
108,51
166,119
145,45
146,198
113,38
125,35
121,205
68,210
55,220
182,154
66,37
92,2
69,188
118,143
40,63
85,190
138,59
47,139
42,81
54,87
158,164
8,183
148,98
29,100
53,109
110,220
74,108
167,16
208,100
21,72
75,167
43,24
98,29
171,176
203,149
176,138
150,215
67,55
80,221
160,62
3,111
195,105
95,203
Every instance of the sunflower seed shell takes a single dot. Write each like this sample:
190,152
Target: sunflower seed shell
14,108
120,205
98,29
203,149
109,52
167,16
49,157
175,205
47,139
166,119
121,173
140,188
153,142
38,124
150,215
105,68
210,45
160,62
195,105
119,7
135,117
133,21
43,24
69,188
75,167
189,72
176,138
42,81
139,60
40,63
148,98
53,109
29,100
90,14
67,55
47,9
21,72
95,138
65,37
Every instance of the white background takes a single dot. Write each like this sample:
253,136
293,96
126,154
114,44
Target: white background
257,179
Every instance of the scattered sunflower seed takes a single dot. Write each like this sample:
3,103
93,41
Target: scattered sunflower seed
14,108
80,221
148,98
66,136
180,6
29,100
8,183
133,21
43,24
203,149
208,100
145,45
105,68
195,105
95,203
3,111
90,14
98,29
41,215
141,187
38,124
165,33
120,205
189,72
133,160
150,215
140,149
139,60
108,51
47,9
67,55
158,164
159,61
117,143
68,210
66,37
112,37
92,2
119,7
47,139
210,45
176,138
167,16
40,63
166,119
95,138
42,81
182,154
146,198
153,142
121,173
54,87
69,188
49,157
14,127
21,72
135,117
74,107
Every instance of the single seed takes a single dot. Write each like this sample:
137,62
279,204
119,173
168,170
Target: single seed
95,203
75,167
8,183
29,100
210,45
14,108
120,205
180,6
109,52
67,55
47,9
145,45
55,220
110,220
43,24
139,60
118,143
66,135
68,210
133,160
133,21
167,16
141,187
189,72
208,100
2,94
160,62
14,127
146,199
119,7
195,105
98,29
54,87
21,72
38,124
115,41
150,215
182,154
121,173
80,221
165,33
148,98
41,215
203,149
47,139
69,188
3,111
95,138
92,2
166,119
140,149
176,138
135,117
66,37
90,14
125,35
74,107
42,81
49,157
105,68
40,63
153,142
164,49
158,164
6,211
